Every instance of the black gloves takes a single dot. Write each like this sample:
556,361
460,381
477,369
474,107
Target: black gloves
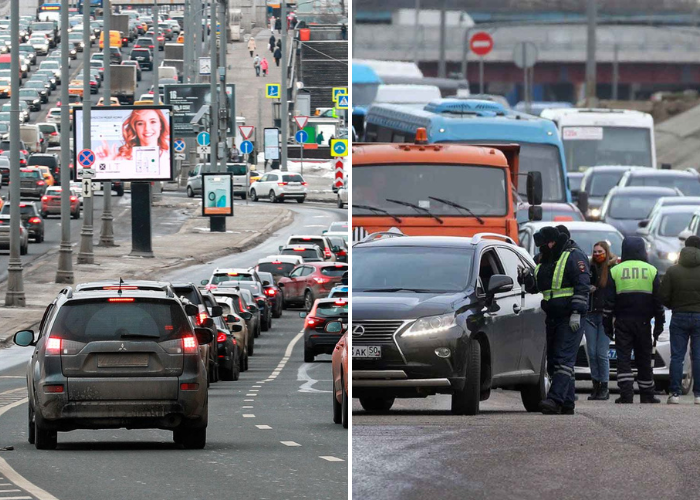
658,330
610,334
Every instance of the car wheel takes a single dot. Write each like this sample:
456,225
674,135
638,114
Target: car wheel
345,405
194,439
533,394
253,195
272,196
44,215
251,346
265,324
466,400
227,374
236,369
139,78
44,439
40,237
340,203
301,200
190,193
376,404
31,428
257,332
277,311
308,356
244,196
245,362
284,302
308,300
337,407
23,250
120,191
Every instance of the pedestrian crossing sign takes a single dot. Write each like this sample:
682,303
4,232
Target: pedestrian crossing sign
272,91
338,91
343,100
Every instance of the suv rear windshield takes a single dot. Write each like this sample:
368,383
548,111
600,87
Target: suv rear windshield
306,254
281,269
99,319
141,53
332,310
47,161
188,292
220,278
307,241
24,209
292,178
236,169
334,271
34,174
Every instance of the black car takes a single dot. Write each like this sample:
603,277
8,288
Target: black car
445,315
40,87
273,293
144,58
227,350
30,217
316,339
595,185
47,160
32,98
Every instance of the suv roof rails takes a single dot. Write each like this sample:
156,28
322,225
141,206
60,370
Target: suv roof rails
380,235
480,236
108,285
68,292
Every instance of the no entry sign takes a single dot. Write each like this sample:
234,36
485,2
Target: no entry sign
481,43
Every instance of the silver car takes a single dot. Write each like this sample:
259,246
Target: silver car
5,235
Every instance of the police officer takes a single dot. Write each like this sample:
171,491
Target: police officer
563,278
633,300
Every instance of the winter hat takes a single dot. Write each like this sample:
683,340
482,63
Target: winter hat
563,229
693,241
545,235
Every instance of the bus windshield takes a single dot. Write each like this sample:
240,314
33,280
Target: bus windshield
591,146
482,190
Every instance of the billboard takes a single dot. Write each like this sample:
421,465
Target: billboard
187,99
130,143
217,198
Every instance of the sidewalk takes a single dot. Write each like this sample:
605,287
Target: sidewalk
192,244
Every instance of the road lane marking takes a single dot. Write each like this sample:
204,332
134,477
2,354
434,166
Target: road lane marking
10,491
332,459
254,390
12,376
303,375
258,386
292,343
244,407
248,400
12,475
264,427
250,395
16,498
248,415
13,405
290,443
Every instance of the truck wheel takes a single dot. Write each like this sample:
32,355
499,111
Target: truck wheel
466,400
377,404
533,394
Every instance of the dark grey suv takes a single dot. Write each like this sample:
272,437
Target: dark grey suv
445,315
111,355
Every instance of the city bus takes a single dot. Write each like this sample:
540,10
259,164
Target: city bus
594,137
365,85
467,121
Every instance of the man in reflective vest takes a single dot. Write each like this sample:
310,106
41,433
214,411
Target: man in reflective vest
563,278
634,299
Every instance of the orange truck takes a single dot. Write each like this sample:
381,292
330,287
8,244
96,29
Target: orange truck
439,189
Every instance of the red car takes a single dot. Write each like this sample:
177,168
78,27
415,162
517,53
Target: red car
51,203
340,381
310,281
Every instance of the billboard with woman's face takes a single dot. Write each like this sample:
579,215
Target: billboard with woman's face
131,143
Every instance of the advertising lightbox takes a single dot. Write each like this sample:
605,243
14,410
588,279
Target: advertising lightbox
130,143
217,197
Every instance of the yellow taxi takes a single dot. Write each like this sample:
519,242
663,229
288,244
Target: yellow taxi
255,176
113,101
46,173
76,87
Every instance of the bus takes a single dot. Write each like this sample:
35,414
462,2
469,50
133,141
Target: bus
365,85
473,121
594,137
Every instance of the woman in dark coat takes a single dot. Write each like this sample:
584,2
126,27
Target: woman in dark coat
272,43
277,56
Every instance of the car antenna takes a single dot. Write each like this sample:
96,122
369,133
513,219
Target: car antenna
121,282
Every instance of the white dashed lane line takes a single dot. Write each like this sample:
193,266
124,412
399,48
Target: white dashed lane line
332,459
263,427
248,415
290,443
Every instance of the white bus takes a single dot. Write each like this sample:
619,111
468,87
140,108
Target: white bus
594,137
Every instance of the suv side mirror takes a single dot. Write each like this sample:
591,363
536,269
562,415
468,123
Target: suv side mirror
204,335
191,309
266,283
303,314
246,315
643,223
583,202
499,283
230,318
235,328
24,338
204,282
685,234
217,311
534,212
534,188
207,323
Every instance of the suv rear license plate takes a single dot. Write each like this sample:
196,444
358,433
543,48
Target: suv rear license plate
121,360
367,351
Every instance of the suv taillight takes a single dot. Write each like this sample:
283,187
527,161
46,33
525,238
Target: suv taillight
53,346
221,337
189,345
327,252
314,322
282,183
199,319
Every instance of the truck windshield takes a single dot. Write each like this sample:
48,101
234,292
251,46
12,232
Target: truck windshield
480,189
591,146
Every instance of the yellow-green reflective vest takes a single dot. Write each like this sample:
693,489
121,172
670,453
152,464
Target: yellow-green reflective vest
557,291
633,276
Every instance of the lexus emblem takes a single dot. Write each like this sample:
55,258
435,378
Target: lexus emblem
358,331
122,348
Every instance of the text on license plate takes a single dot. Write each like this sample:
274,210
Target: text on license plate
367,351
612,354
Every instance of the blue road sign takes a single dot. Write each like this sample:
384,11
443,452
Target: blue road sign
179,146
301,136
203,138
246,147
342,101
339,147
86,158
272,90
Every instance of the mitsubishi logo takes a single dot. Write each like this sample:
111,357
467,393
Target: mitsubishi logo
358,331
122,348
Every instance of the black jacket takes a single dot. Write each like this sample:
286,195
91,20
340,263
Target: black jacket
576,276
680,288
599,297
278,53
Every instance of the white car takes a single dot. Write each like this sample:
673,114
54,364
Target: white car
40,44
225,275
279,186
342,197
54,116
585,234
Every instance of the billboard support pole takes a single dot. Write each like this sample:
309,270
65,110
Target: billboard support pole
107,233
64,273
86,254
141,219
214,113
284,114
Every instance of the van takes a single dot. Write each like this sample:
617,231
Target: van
33,138
115,39
168,72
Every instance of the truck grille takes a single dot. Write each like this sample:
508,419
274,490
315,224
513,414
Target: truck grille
380,332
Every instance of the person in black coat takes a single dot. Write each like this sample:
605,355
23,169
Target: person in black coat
272,43
277,56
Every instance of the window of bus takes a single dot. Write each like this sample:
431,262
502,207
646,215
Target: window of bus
591,146
480,189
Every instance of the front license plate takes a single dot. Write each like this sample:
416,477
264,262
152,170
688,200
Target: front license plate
367,351
612,354
121,360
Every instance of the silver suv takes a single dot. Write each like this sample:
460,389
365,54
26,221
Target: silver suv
112,355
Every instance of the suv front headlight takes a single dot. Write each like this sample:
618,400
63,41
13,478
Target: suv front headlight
431,325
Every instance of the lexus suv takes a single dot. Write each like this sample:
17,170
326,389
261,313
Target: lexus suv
445,315
112,355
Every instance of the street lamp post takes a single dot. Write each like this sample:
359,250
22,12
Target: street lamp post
86,254
284,115
107,234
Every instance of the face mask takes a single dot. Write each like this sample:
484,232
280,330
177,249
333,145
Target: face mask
599,258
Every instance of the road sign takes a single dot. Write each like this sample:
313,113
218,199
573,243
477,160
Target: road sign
86,158
203,150
272,91
87,188
246,147
301,121
87,173
179,156
525,55
481,43
179,145
205,65
343,100
338,91
301,136
339,174
246,131
339,147
203,139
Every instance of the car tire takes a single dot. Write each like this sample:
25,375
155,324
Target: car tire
265,324
40,237
258,331
277,311
253,195
23,250
687,384
308,356
337,407
301,200
245,362
190,193
308,301
193,439
44,439
31,427
340,203
272,196
244,196
228,374
251,347
345,404
466,400
44,215
531,395
284,302
377,404
120,191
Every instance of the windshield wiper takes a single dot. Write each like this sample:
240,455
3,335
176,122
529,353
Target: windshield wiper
418,208
457,205
378,210
138,335
417,290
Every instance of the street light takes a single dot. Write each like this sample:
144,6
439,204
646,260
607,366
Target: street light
107,234
86,254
